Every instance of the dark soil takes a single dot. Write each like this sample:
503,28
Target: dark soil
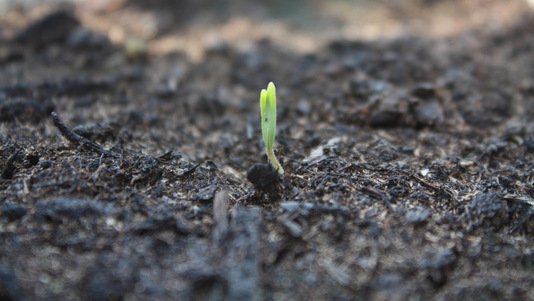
409,169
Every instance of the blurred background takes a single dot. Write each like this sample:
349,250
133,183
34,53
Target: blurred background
191,26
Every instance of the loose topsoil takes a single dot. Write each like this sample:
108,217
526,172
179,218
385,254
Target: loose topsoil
408,169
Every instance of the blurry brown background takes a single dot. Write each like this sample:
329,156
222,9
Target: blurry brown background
190,26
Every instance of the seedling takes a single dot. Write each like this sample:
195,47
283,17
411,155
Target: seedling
268,124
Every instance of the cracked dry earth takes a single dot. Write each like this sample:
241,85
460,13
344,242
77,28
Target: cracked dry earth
409,170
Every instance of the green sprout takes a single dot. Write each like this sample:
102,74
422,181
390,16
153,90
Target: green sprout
268,124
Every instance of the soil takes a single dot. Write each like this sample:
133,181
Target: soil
409,168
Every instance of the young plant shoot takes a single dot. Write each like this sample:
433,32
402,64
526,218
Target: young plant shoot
268,124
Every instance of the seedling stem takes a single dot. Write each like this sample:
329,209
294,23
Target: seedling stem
268,124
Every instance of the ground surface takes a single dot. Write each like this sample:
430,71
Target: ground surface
409,166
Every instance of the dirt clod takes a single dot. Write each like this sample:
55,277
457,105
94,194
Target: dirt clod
53,27
71,209
263,177
12,211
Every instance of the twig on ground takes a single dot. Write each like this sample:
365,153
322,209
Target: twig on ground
77,139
